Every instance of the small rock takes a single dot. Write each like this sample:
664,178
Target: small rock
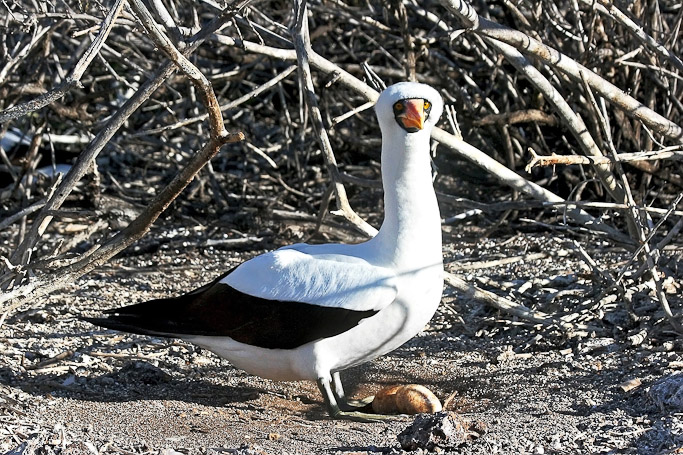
80,448
630,384
443,430
170,452
667,393
19,450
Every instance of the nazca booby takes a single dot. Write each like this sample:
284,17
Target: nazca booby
306,312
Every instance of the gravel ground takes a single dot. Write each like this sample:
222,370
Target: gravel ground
70,388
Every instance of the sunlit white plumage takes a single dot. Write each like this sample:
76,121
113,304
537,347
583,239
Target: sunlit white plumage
311,274
368,298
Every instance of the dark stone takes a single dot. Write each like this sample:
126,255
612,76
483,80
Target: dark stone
443,430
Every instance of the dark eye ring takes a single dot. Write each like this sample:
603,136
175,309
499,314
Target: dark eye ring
398,106
427,105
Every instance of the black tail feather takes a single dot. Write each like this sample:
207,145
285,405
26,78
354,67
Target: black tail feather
115,324
160,317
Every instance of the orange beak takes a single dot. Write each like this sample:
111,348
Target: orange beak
413,114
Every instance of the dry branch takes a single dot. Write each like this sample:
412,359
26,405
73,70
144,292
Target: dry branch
73,80
136,229
550,56
302,44
611,10
458,146
572,121
513,308
652,155
216,125
512,118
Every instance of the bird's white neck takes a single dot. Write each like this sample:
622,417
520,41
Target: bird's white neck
410,235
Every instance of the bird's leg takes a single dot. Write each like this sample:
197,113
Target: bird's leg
344,403
338,387
336,413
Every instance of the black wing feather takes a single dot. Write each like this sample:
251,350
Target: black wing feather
217,309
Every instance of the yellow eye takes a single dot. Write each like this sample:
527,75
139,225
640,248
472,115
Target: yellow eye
398,106
427,105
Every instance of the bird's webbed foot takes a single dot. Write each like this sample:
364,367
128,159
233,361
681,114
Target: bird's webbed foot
346,409
344,403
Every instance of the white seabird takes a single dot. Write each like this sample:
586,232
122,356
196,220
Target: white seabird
307,312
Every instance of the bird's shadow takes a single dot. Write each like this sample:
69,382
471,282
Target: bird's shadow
133,378
124,376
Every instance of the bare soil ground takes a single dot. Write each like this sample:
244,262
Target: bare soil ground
67,387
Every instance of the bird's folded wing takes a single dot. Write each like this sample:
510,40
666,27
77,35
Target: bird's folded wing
318,278
280,300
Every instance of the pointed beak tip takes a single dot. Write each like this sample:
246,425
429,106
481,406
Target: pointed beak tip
415,122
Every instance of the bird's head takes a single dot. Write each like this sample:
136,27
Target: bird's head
411,106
